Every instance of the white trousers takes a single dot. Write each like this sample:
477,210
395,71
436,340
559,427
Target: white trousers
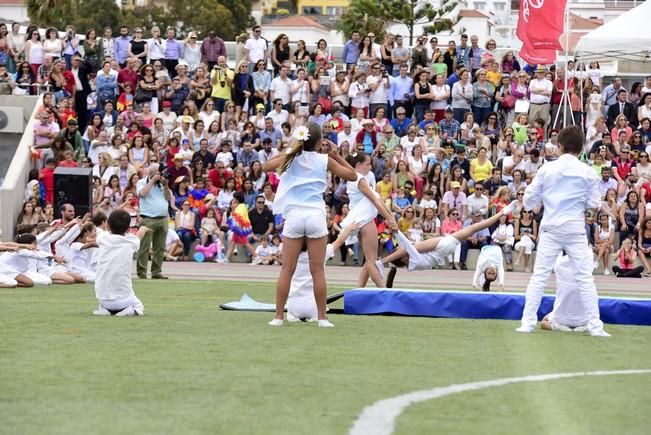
577,249
526,243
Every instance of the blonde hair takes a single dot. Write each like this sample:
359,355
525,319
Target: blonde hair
307,145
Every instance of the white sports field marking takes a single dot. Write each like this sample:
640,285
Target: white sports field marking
380,417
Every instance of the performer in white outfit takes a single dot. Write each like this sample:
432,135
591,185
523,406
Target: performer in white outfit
426,254
299,199
567,188
15,264
82,252
569,313
58,273
113,286
490,267
301,304
365,203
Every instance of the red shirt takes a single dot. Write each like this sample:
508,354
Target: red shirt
68,164
47,178
128,76
218,179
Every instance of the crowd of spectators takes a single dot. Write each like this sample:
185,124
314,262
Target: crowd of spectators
455,133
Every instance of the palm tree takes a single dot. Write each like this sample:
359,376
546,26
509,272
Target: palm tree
50,12
365,16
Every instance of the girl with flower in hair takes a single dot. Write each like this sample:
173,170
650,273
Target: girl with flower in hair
299,199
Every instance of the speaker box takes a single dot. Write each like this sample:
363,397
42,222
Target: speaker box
74,186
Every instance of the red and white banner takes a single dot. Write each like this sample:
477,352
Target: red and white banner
540,25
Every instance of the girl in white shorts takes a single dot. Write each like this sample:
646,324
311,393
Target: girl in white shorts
299,199
426,254
364,207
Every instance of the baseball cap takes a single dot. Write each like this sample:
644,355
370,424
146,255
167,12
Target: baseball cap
455,185
449,109
167,104
259,106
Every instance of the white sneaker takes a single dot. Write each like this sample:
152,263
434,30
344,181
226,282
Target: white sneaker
276,322
127,312
325,324
606,271
596,265
599,333
509,208
380,267
526,329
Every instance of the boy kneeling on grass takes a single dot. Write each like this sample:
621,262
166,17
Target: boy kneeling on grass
113,286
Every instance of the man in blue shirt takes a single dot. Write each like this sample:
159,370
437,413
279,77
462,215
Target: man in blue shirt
449,126
122,46
154,197
172,52
270,132
401,123
454,77
463,52
402,92
351,50
247,155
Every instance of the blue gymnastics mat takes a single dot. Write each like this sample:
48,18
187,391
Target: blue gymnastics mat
480,305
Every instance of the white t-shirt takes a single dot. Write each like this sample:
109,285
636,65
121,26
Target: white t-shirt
379,95
279,118
257,48
114,263
281,89
537,87
169,120
171,238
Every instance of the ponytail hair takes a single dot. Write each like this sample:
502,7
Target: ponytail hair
309,144
486,286
356,158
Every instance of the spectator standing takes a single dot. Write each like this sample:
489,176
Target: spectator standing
155,197
155,46
122,46
211,49
351,50
173,51
255,48
221,78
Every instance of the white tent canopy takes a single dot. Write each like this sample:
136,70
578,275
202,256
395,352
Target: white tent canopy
627,37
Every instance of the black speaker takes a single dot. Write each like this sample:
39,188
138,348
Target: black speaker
74,186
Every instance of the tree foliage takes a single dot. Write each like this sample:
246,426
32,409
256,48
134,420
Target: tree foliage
365,16
375,15
227,18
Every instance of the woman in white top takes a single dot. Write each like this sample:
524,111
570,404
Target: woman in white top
300,91
595,74
462,95
503,236
644,109
359,92
191,52
364,207
299,199
52,44
441,92
34,52
490,267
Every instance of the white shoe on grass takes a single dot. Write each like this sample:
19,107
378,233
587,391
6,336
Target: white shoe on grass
526,329
101,311
292,318
276,322
599,333
380,267
325,324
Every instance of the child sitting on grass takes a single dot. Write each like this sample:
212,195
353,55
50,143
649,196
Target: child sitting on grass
113,286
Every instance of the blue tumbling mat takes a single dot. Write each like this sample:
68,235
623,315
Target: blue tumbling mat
480,305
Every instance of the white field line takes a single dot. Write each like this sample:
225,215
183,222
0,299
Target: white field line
380,417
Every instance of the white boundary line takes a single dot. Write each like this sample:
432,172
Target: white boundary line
380,417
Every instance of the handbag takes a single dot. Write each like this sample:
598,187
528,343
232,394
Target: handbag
521,106
509,102
143,95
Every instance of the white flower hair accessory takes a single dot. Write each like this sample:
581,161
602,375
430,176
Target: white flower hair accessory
301,133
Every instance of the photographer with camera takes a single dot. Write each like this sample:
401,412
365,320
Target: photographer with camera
70,45
155,197
221,79
379,84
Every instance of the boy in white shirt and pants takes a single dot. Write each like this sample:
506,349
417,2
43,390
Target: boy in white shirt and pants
113,286
567,188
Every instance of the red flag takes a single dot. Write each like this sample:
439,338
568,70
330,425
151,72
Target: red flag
537,56
541,23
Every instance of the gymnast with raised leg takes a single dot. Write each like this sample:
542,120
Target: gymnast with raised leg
428,253
299,199
364,207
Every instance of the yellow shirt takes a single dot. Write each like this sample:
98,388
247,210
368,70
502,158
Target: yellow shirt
405,224
384,189
219,91
480,172
494,77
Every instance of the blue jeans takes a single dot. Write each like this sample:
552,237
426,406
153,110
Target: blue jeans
187,237
481,113
459,114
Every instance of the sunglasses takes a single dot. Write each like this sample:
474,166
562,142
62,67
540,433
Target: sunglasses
520,194
454,214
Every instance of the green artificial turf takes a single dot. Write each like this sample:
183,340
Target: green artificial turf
187,367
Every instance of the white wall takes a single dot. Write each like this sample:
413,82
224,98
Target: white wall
13,13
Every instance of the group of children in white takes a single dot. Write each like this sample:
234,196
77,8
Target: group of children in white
101,250
98,251
566,188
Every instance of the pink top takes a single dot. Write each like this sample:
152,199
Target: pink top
447,227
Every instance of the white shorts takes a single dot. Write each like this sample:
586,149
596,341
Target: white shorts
308,222
426,260
38,278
